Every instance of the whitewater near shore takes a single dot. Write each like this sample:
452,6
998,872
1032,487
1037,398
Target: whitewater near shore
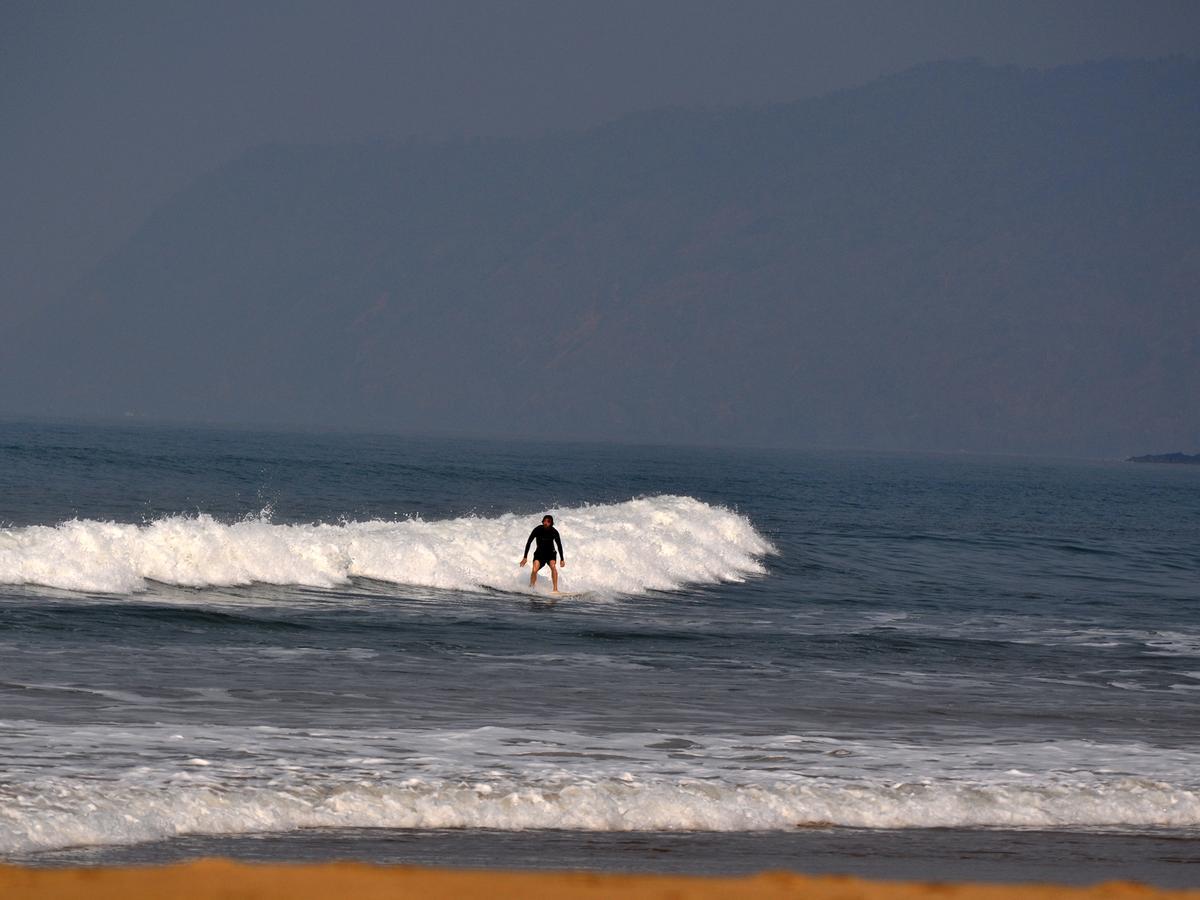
275,646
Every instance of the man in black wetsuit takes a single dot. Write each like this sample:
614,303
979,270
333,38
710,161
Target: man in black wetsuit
547,537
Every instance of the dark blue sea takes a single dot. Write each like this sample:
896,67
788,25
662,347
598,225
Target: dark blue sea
303,646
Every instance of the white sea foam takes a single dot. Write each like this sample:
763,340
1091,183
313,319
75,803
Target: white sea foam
654,543
128,784
63,813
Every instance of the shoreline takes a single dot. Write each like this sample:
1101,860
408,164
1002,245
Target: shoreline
219,878
1164,860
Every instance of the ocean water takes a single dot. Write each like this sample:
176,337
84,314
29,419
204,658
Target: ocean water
298,646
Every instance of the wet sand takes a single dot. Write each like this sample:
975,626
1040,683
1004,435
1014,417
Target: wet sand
212,879
1162,859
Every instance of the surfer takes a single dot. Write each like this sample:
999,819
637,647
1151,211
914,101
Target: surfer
547,538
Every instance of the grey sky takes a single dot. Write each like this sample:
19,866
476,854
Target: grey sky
108,108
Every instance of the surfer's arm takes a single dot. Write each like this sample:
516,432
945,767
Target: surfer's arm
525,553
562,556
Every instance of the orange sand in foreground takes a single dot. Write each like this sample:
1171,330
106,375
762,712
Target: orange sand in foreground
214,879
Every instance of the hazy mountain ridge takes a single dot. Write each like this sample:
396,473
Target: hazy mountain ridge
958,256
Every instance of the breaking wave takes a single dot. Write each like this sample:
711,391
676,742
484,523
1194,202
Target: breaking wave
143,783
85,813
654,543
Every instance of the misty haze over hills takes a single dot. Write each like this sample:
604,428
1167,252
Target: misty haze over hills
957,257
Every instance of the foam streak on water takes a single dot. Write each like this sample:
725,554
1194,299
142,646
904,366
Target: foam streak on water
655,543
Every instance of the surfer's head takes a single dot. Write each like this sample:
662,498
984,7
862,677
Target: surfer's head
548,521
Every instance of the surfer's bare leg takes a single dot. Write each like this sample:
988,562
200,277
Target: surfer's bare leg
554,574
533,573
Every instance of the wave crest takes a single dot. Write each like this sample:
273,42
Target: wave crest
653,543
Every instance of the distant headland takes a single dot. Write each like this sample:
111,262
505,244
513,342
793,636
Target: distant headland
1185,458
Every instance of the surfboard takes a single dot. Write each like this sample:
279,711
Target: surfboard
538,595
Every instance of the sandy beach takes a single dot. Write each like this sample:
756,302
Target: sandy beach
236,881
